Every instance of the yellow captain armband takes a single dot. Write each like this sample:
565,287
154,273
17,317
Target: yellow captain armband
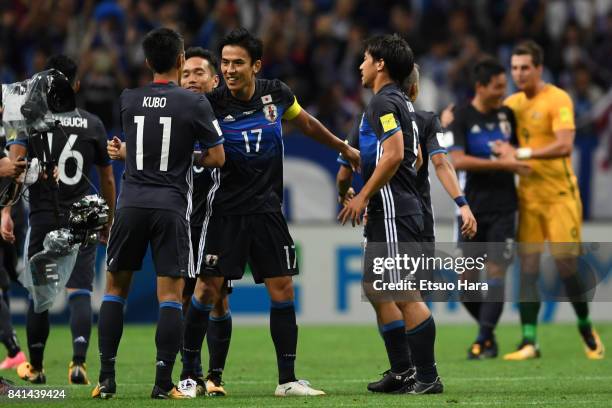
388,122
293,110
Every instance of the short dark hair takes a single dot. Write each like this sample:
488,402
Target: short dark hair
243,38
162,47
530,47
395,51
413,78
204,54
63,64
485,69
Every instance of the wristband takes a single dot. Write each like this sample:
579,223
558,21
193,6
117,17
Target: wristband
461,201
524,153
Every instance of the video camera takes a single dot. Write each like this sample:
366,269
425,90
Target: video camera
49,270
32,106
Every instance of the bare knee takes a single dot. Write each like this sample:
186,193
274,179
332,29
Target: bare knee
221,306
208,290
118,283
170,289
280,289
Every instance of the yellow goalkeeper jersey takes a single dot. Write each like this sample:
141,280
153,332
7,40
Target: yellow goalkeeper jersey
537,120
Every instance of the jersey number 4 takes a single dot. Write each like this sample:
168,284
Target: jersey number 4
166,123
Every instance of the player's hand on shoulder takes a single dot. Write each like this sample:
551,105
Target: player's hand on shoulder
353,156
353,210
469,227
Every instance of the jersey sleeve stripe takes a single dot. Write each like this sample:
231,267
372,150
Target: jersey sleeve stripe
390,133
17,142
437,151
294,110
209,145
343,162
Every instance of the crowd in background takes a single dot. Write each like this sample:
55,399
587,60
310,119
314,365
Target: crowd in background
316,46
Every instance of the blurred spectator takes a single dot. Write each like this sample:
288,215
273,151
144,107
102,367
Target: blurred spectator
316,45
585,95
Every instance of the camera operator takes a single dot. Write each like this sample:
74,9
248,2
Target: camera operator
8,263
9,168
74,147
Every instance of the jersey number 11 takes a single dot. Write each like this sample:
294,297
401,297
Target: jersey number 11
166,123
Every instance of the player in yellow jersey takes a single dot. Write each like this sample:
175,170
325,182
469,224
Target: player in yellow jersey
549,200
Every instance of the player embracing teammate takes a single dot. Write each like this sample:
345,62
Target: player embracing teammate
243,221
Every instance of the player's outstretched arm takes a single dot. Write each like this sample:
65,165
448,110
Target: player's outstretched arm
314,129
448,178
462,161
392,156
561,147
213,157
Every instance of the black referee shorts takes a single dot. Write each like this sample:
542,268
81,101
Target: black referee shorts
135,228
262,240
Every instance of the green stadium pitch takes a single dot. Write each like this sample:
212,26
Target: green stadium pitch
341,360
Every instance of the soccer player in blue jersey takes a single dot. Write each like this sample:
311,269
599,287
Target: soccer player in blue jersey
244,222
428,130
489,186
161,122
390,150
200,74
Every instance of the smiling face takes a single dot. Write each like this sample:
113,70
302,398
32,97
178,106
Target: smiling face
492,94
368,69
525,74
198,75
237,68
